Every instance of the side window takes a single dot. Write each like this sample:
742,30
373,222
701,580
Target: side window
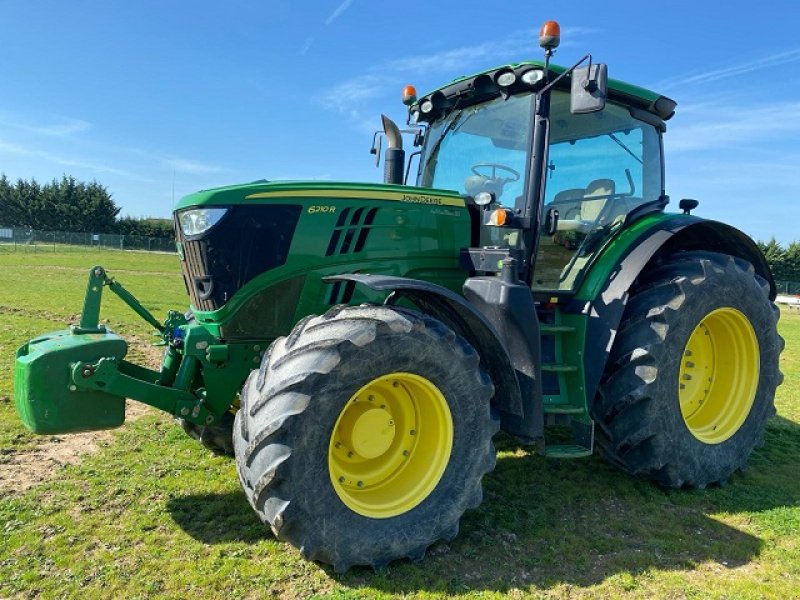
601,166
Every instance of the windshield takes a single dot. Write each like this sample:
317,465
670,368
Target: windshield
480,148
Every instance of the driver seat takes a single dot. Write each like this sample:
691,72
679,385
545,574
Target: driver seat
595,197
591,204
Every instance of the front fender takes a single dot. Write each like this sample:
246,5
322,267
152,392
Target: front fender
463,318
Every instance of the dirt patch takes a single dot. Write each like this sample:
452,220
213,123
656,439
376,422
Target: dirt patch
22,470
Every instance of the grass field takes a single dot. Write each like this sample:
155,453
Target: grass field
153,514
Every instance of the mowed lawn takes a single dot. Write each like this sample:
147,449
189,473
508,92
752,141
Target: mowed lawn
154,514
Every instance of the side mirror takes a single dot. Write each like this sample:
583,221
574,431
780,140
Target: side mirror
589,89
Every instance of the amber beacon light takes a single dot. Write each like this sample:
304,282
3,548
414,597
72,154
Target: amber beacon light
409,95
550,35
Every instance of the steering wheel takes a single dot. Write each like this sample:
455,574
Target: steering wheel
495,167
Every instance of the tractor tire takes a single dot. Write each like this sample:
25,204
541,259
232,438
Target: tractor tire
690,381
364,435
217,437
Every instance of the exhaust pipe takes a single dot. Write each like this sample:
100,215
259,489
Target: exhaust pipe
395,157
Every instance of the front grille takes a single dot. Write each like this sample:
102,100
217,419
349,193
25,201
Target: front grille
247,241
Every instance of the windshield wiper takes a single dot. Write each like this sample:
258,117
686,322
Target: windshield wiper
448,128
624,147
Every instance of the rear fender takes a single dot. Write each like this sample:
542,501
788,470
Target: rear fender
675,233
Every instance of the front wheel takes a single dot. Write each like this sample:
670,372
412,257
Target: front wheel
364,436
691,378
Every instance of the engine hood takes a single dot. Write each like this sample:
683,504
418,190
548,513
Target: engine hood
260,192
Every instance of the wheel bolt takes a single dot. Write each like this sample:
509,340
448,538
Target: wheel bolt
360,484
406,453
371,398
687,377
338,444
395,384
689,364
350,454
341,479
413,432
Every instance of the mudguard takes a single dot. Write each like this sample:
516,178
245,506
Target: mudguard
463,318
673,234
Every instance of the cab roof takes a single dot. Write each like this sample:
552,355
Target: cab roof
481,86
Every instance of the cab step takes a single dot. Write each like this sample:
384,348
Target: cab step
559,367
566,451
553,329
563,409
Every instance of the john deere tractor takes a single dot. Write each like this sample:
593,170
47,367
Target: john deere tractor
357,346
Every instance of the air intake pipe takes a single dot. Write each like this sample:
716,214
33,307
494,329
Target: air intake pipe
395,157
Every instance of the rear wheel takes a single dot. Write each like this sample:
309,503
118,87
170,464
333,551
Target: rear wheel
364,436
691,379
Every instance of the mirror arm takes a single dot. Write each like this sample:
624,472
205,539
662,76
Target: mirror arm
566,73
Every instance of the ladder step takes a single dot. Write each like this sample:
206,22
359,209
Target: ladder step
566,451
547,329
562,410
558,368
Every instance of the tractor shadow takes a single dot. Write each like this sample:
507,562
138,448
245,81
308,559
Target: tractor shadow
217,518
547,522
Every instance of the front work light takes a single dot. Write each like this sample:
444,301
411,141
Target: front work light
533,76
506,78
200,220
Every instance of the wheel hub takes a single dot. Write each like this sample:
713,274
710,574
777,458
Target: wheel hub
390,445
718,375
371,434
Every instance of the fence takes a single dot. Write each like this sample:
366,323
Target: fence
22,239
788,287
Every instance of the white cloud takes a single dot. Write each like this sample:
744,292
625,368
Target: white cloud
191,167
307,45
713,126
338,12
350,96
66,161
736,70
46,125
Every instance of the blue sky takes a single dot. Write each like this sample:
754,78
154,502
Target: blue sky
143,96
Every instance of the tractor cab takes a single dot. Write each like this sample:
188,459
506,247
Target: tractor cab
553,161
601,168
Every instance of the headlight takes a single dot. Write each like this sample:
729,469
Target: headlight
199,220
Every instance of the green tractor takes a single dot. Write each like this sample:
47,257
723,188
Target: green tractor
358,346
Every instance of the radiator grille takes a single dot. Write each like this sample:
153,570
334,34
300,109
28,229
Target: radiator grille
247,241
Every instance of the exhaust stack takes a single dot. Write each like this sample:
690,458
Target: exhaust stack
395,157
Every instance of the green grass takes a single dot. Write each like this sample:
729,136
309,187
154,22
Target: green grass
153,514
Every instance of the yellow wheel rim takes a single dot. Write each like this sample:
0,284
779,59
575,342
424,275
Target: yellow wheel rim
719,375
390,445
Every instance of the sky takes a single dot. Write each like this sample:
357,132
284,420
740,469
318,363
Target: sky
156,100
